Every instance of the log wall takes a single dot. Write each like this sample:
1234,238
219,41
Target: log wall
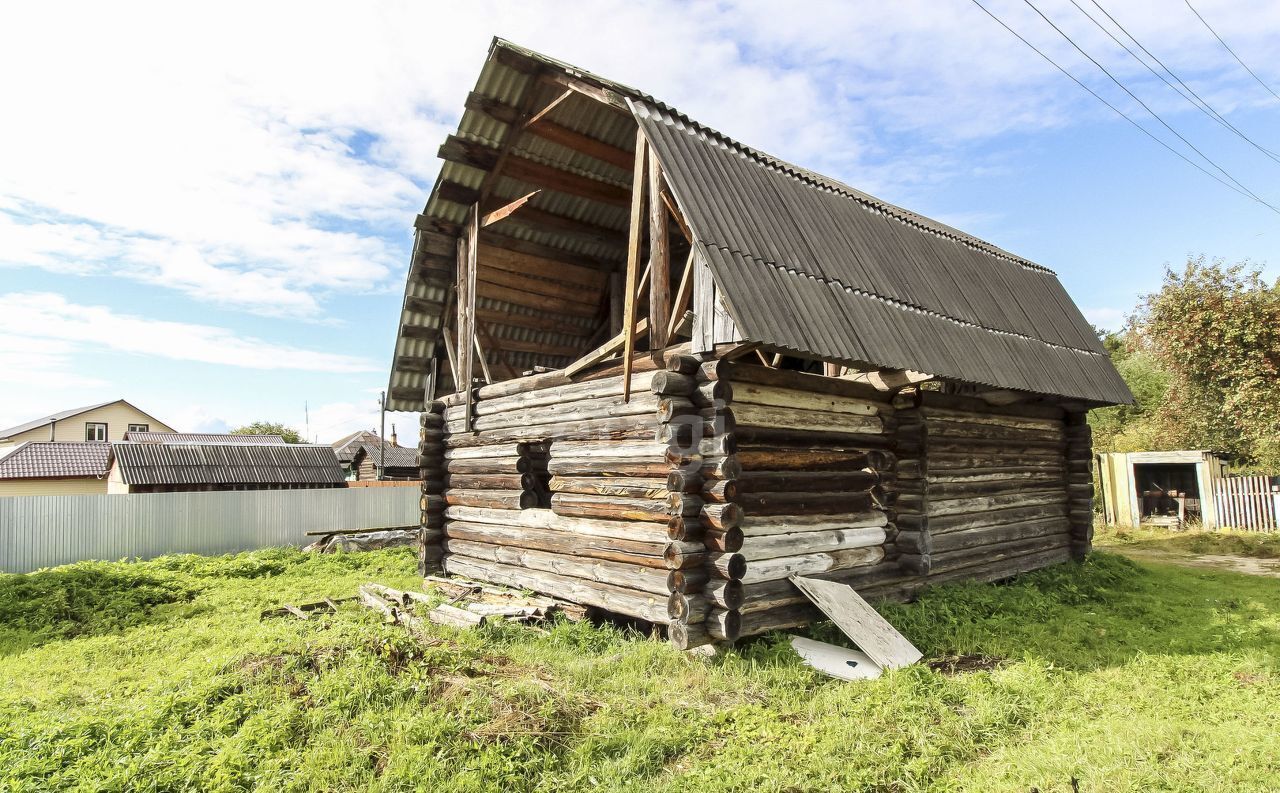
690,504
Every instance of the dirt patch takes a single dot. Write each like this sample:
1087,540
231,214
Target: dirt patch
958,664
1268,568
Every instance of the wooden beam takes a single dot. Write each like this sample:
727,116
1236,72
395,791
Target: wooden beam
413,363
505,211
537,348
605,96
552,105
483,330
587,300
419,332
531,321
422,305
449,348
675,213
608,349
659,261
519,297
633,261
890,379
541,266
683,294
486,158
467,266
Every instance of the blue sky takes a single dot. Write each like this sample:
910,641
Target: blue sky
211,217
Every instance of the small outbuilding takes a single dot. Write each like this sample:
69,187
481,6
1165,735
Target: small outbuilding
55,469
661,372
191,467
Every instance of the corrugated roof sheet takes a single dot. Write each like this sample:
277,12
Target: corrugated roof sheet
202,437
37,460
396,456
807,264
221,464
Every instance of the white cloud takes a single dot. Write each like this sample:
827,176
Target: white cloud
42,318
1105,317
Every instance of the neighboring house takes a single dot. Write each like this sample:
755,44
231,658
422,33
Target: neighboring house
55,469
187,467
108,421
401,463
369,461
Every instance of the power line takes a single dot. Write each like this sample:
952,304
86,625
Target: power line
1186,91
1233,52
1146,107
1117,110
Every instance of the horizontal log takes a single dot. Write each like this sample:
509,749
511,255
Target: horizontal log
917,542
613,507
744,372
494,499
960,522
646,579
967,404
939,430
761,526
785,503
1003,567
647,554
721,516
729,541
623,486
660,407
672,383
777,545
687,608
494,450
724,625
687,580
556,395
989,535
977,504
584,450
729,566
800,615
686,637
725,593
748,415
917,563
640,427
612,466
717,490
810,563
940,461
546,380
493,481
806,481
495,465
773,396
966,557
802,460
934,415
620,600
728,467
716,393
546,519
683,527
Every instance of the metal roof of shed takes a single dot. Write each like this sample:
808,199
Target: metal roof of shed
48,460
221,464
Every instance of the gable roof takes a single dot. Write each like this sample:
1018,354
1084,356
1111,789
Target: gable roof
805,264
396,456
47,460
66,414
350,444
222,464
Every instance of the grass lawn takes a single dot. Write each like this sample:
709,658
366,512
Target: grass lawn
1251,544
160,676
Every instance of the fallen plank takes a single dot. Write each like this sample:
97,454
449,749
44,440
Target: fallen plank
838,662
860,622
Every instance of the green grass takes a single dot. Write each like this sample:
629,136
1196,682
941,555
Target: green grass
1256,545
161,676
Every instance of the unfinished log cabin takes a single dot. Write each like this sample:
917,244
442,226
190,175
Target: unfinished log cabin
661,372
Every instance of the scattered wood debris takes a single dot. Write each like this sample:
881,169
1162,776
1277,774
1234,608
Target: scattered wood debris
304,611
361,540
468,604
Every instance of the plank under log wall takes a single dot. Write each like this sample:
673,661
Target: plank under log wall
801,474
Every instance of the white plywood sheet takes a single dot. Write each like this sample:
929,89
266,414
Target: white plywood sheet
862,624
839,662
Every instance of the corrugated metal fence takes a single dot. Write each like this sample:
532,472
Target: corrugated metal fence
43,531
1248,502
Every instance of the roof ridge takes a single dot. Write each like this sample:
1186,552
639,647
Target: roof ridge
902,304
824,182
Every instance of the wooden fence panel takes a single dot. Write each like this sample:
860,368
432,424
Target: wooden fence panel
1251,503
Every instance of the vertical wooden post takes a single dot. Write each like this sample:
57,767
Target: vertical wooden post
617,301
468,246
633,262
659,262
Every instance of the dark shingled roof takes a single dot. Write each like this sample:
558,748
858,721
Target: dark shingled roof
39,460
221,464
396,456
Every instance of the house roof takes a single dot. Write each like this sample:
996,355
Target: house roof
396,456
46,460
349,445
203,437
222,464
806,264
66,414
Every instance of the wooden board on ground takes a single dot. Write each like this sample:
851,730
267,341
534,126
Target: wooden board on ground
839,662
862,624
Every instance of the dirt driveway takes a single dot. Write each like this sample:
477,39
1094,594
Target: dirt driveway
1269,568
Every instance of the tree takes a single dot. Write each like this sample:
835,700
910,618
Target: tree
1131,428
289,434
1215,329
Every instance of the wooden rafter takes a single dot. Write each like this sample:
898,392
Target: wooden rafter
659,261
675,213
506,210
552,105
683,294
609,348
638,184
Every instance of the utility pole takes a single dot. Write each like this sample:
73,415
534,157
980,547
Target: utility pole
382,434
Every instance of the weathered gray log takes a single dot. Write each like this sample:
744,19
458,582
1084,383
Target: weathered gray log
684,481
610,507
495,465
493,499
686,637
640,427
800,503
647,554
684,555
730,566
762,526
672,383
976,504
808,542
445,614
961,522
615,466
647,579
1008,532
955,402
918,563
776,619
721,516
689,580
549,396
963,557
717,490
662,407
729,541
712,394
983,569
801,460
914,542
684,527
745,372
546,519
810,563
726,593
631,602
494,450
806,481
686,608
720,467
493,481
724,624
622,486
803,400
1043,481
